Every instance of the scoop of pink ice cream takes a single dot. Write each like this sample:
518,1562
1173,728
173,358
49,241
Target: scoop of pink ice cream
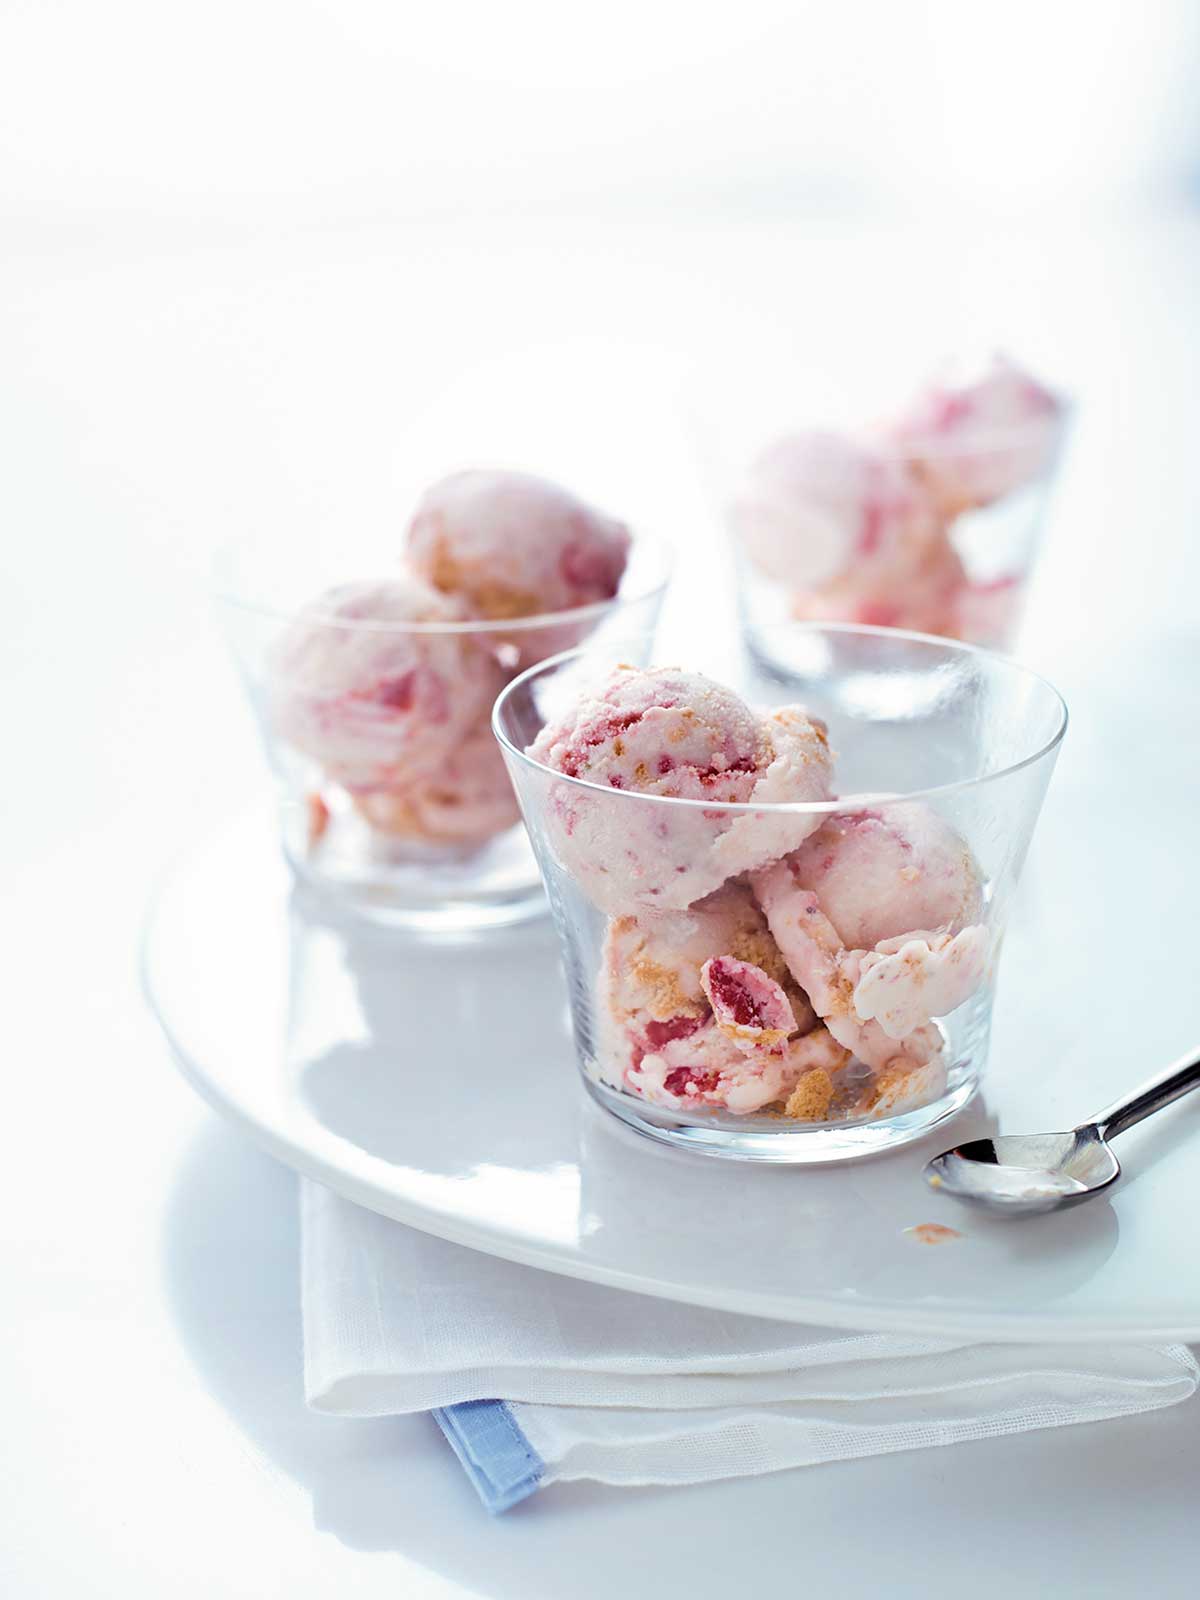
800,770
828,973
880,873
978,440
818,506
925,597
376,702
662,731
512,545
468,801
675,735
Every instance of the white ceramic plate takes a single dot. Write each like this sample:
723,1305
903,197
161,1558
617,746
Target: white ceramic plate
435,1083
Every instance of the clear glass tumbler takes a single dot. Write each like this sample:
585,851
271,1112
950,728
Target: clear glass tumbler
426,845
967,581
929,521
806,981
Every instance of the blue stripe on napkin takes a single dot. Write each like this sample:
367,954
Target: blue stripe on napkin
497,1457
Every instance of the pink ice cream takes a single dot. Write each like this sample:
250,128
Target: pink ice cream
677,736
742,971
880,873
511,545
853,531
469,801
863,527
376,703
799,770
708,1070
829,973
389,690
928,596
660,731
698,1008
874,915
653,986
821,508
905,981
976,441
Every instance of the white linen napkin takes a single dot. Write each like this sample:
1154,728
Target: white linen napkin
537,1378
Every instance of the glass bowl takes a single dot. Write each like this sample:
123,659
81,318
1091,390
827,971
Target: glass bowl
436,847
928,519
806,981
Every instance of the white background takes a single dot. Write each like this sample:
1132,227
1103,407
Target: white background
263,263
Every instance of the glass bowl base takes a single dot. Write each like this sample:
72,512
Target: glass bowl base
390,908
425,889
763,1139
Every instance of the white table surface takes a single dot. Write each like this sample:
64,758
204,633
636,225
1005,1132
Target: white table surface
158,390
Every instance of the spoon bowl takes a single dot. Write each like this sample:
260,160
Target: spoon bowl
1027,1173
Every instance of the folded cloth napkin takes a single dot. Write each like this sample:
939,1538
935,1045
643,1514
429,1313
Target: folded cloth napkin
536,1378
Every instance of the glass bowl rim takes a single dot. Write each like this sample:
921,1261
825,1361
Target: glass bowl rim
842,803
224,592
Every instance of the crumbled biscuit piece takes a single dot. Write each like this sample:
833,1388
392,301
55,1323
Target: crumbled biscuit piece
932,1233
664,997
318,820
498,601
809,1100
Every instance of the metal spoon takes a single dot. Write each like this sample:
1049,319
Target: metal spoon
1021,1174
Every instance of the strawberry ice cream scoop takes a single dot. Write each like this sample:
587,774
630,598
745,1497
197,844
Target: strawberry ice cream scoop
748,1007
664,732
880,873
675,735
800,769
930,595
976,441
829,973
817,506
511,545
376,701
466,802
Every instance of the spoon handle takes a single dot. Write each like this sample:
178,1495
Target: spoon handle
1178,1079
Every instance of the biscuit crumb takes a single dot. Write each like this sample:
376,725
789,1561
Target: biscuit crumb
318,820
933,1233
665,997
809,1100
